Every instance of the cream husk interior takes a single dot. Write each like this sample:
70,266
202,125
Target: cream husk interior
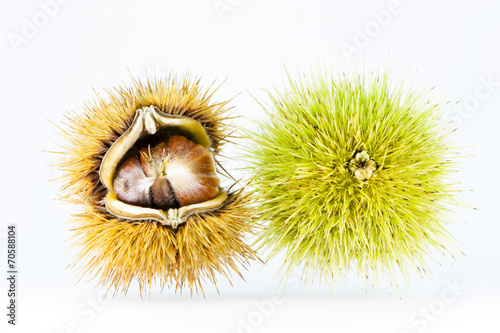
148,121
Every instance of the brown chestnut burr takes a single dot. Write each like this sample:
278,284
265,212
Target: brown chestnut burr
169,175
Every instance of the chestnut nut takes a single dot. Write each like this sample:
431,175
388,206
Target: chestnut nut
168,175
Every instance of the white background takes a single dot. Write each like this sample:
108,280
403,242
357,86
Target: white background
86,45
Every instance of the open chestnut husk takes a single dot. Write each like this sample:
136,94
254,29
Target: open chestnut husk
142,165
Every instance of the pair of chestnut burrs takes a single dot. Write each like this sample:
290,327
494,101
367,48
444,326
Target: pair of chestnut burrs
347,172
